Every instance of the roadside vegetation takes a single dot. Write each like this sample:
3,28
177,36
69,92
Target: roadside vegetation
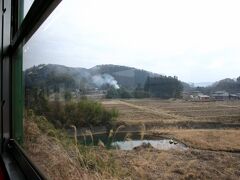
83,113
62,157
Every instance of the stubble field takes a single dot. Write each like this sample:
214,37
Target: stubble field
210,130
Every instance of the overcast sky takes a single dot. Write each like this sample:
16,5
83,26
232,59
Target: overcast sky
198,41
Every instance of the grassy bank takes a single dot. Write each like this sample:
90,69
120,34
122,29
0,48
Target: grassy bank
61,157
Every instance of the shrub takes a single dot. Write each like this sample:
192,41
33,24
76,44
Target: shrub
124,93
83,113
118,93
88,113
112,93
141,94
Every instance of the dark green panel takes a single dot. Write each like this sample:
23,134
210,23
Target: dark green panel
17,97
17,88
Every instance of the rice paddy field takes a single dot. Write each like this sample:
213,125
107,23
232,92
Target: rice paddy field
210,131
169,112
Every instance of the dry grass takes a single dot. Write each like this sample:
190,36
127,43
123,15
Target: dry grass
143,164
192,164
220,140
58,162
132,114
167,113
62,158
49,155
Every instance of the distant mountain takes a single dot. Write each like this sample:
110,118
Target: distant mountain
125,76
187,87
202,84
51,75
229,85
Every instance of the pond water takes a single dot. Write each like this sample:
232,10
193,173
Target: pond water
163,144
129,141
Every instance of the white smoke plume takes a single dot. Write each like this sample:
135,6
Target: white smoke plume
102,79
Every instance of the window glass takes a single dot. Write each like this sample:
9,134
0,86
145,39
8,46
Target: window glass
27,5
134,89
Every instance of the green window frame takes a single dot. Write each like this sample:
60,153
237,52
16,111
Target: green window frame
22,30
15,32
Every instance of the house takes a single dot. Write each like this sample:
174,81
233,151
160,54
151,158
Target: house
233,97
220,95
203,97
238,95
196,96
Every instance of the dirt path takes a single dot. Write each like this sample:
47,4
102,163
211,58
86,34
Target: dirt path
159,111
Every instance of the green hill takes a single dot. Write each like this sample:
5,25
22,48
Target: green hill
53,75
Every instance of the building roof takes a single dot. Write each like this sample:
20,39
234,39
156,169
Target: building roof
220,93
203,96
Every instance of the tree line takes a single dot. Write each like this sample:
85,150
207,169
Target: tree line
164,87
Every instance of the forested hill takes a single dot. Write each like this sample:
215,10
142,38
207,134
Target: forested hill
229,85
52,74
128,77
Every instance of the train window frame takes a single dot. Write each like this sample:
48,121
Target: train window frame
15,32
22,31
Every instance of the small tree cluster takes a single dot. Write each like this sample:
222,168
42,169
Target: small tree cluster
81,114
88,113
113,93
